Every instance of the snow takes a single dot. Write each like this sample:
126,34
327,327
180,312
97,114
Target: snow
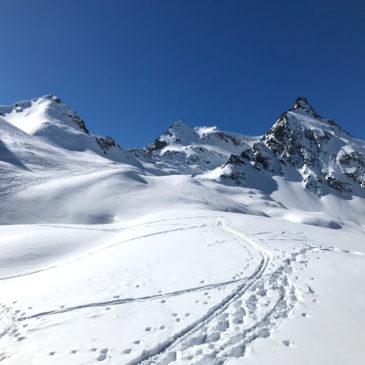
107,258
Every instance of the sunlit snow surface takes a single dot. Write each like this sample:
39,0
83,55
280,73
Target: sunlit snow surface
105,259
181,287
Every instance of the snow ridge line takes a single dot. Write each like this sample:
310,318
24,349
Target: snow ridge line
151,356
113,230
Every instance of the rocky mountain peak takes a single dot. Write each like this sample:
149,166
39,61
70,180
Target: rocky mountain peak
301,146
302,104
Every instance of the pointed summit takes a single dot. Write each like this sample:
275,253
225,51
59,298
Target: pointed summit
302,104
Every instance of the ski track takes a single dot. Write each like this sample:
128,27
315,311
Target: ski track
102,249
130,300
152,355
123,228
163,353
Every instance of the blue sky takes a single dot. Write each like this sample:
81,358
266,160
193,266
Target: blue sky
130,68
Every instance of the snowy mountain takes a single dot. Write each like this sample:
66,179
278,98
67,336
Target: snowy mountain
204,247
183,149
46,147
302,146
54,123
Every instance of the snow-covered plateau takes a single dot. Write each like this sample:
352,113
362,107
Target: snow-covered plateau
204,247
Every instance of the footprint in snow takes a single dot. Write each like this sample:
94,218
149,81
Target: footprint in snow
101,357
237,320
103,354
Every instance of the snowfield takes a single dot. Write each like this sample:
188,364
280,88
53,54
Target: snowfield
185,287
177,253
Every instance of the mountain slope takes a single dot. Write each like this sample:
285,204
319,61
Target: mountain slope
302,146
56,124
53,168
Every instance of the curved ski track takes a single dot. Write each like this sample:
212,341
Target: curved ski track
152,355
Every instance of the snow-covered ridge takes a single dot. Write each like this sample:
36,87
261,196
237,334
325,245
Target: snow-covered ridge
53,122
302,158
194,150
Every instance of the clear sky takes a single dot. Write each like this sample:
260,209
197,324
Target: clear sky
130,68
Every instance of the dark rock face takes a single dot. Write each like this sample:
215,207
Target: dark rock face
54,98
227,138
301,103
156,145
261,157
105,143
352,159
79,122
237,176
336,184
235,160
294,143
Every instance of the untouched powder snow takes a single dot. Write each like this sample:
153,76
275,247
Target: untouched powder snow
205,247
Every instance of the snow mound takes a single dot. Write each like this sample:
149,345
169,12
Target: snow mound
319,219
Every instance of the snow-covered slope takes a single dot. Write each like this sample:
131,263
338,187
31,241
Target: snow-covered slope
48,156
55,123
205,247
306,163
